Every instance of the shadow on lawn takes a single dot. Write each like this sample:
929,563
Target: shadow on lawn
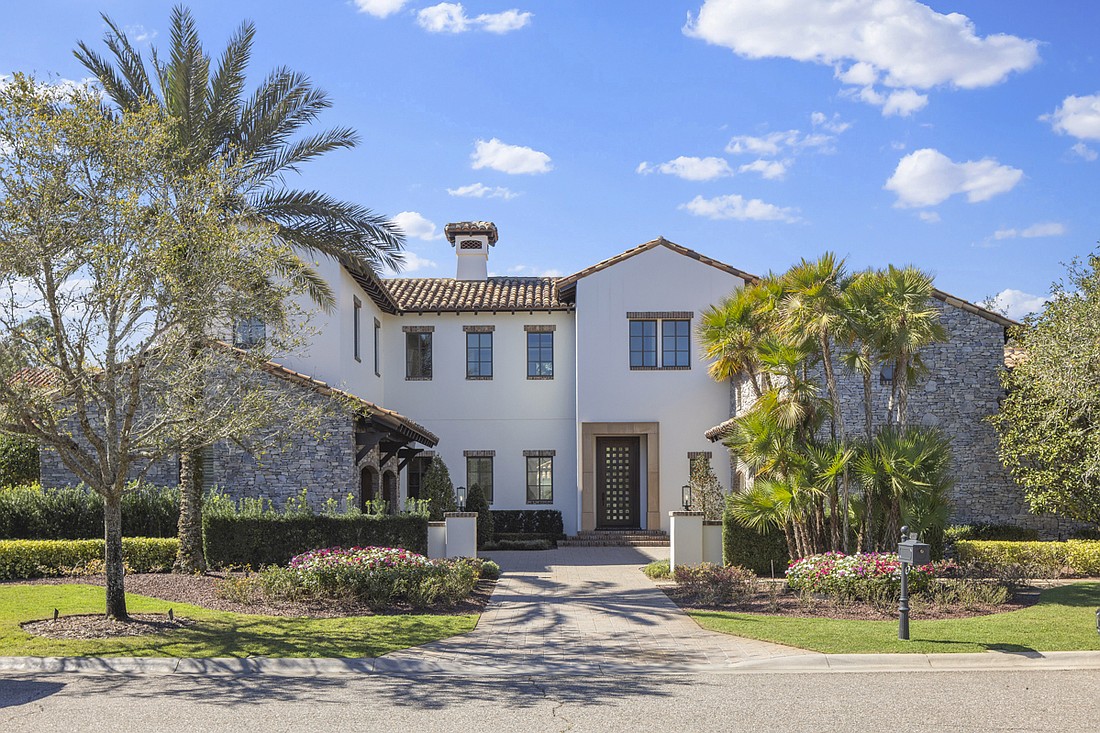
1078,595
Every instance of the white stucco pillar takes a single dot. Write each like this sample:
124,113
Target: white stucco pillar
685,538
712,541
437,540
461,534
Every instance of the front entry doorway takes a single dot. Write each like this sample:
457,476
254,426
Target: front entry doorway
618,484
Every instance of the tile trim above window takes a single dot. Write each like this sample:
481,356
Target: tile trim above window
540,329
479,329
418,329
539,453
692,455
479,453
660,315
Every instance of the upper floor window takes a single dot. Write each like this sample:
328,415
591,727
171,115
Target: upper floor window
357,323
418,355
377,348
540,355
675,343
643,344
479,352
249,332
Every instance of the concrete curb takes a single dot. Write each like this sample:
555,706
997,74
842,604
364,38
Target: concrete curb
799,664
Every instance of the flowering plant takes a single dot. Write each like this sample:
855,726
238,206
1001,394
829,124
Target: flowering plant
860,576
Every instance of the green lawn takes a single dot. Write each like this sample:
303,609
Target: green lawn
1064,619
216,633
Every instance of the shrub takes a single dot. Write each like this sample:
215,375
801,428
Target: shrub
657,570
476,502
1083,556
489,570
259,540
533,523
46,558
864,577
436,486
761,553
521,544
983,531
710,585
31,512
1029,559
18,460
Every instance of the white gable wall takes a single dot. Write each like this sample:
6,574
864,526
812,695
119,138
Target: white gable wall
685,403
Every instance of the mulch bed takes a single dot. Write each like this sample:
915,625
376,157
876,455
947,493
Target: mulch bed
786,603
202,590
98,626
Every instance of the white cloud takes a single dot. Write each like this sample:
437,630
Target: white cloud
60,88
776,142
928,177
1084,151
452,18
1077,116
512,159
481,191
139,34
690,169
735,206
770,169
1016,303
415,226
1042,229
898,44
380,8
833,124
930,217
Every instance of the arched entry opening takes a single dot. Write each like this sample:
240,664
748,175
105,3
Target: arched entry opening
368,486
389,491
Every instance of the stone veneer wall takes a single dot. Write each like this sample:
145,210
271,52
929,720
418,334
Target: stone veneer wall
957,397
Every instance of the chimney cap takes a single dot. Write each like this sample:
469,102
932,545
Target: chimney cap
459,228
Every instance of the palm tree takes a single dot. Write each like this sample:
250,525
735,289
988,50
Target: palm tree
729,333
812,307
908,323
256,138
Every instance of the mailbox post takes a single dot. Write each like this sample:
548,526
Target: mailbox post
910,552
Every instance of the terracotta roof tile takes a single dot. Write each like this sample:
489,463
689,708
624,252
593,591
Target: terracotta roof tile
36,377
1014,356
436,294
487,228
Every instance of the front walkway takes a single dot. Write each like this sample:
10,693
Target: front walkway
581,610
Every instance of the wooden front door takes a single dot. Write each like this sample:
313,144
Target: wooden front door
617,483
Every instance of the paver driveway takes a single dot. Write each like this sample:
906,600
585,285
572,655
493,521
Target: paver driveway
581,610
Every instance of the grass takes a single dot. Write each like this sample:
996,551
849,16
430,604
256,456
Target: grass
215,633
1064,619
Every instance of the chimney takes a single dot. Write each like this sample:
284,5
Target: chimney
471,240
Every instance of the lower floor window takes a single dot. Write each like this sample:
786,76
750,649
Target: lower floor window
540,479
479,470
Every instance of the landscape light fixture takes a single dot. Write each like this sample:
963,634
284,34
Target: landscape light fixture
460,496
686,494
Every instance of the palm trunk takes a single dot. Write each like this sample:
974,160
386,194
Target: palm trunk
903,391
838,422
113,562
190,558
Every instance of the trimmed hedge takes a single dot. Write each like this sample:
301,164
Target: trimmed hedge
530,523
21,559
258,541
750,549
984,531
32,513
1039,559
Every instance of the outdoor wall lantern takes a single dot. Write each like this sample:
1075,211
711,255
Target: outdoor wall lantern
460,497
686,495
886,376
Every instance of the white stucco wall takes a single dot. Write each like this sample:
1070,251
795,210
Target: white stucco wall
507,414
684,402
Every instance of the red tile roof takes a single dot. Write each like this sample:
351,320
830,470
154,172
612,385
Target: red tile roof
439,294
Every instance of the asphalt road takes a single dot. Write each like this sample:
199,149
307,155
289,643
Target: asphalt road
970,701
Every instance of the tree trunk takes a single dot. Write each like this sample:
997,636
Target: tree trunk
190,558
113,562
838,421
903,391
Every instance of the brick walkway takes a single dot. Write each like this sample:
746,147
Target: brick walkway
581,610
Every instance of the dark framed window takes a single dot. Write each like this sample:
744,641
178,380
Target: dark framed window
249,332
357,327
479,355
377,348
418,466
643,344
479,470
418,356
540,355
540,479
675,344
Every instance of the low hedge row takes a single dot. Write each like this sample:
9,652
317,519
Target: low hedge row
258,541
760,553
32,513
541,523
1038,559
21,559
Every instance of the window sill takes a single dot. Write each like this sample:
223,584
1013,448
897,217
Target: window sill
660,368
478,379
418,379
540,378
540,501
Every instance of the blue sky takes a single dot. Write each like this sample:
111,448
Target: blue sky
958,136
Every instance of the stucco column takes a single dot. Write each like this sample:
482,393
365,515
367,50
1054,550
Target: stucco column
437,540
461,534
712,541
685,538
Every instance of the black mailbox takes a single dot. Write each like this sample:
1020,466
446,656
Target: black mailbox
914,552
